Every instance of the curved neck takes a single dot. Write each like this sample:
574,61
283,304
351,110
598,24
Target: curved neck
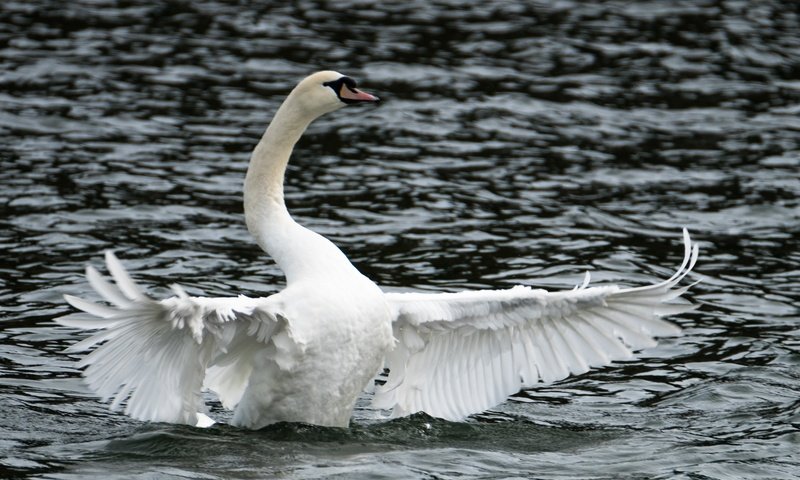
299,252
264,181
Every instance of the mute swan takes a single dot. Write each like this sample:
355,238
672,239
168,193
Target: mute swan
304,354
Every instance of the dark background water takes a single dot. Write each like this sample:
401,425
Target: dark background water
519,142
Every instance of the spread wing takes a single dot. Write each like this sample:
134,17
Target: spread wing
462,353
156,356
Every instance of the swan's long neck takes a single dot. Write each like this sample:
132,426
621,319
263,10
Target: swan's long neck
299,252
263,187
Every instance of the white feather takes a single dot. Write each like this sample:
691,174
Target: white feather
521,337
156,353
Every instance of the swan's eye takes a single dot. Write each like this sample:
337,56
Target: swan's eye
338,84
349,83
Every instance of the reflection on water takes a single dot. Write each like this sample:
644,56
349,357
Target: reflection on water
518,143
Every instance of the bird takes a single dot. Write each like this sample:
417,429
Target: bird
306,353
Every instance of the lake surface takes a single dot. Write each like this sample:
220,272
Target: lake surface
518,143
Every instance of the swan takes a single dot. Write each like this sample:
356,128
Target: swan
306,353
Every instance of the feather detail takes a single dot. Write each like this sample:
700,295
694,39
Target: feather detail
152,356
518,337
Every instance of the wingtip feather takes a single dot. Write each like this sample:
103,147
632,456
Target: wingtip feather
124,282
105,289
90,307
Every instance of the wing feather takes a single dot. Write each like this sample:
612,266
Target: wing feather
153,356
125,283
528,358
106,290
462,353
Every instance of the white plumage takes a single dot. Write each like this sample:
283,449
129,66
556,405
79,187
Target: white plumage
486,345
304,354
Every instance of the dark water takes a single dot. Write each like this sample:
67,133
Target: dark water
518,143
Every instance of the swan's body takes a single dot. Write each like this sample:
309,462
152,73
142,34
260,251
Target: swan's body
304,354
340,319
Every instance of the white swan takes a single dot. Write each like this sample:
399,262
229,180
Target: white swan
305,354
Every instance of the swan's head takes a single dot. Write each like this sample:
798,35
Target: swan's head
326,91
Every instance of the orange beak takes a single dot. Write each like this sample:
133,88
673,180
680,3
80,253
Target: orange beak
355,95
